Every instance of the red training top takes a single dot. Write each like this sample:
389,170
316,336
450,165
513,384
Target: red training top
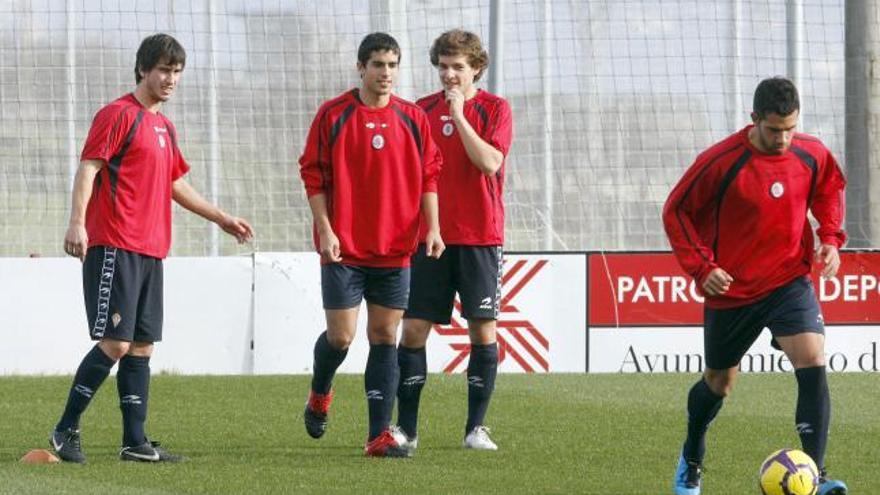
372,165
130,207
746,211
471,203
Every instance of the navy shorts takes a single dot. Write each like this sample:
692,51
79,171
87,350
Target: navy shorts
472,271
344,286
789,310
123,295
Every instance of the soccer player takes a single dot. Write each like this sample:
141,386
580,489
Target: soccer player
473,129
738,224
120,227
370,169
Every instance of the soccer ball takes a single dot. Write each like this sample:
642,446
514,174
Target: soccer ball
789,472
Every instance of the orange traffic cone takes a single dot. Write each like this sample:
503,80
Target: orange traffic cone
40,456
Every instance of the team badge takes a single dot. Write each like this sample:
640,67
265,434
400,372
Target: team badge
159,132
777,190
378,142
116,318
448,129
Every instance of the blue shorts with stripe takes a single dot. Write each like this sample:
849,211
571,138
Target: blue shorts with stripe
123,295
474,272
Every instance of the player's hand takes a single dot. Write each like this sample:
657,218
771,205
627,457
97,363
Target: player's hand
828,259
329,246
717,283
455,100
76,241
434,245
237,227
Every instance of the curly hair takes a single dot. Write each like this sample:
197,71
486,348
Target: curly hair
459,42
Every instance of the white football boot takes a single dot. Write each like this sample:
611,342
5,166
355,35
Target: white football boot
403,440
478,439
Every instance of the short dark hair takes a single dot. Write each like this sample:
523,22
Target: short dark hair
156,49
776,95
377,42
459,42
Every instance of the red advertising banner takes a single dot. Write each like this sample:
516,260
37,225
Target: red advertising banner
650,289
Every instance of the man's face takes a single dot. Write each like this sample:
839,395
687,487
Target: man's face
775,131
380,72
456,72
161,81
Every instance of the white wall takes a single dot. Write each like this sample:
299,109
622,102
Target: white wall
216,324
207,316
212,317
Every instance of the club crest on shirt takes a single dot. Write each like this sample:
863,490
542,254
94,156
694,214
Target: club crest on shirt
378,142
159,133
777,189
116,318
448,129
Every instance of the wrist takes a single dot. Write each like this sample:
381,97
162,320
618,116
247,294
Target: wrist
221,217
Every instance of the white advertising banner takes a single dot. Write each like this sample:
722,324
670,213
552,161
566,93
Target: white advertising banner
207,310
289,315
262,314
541,327
680,350
207,317
542,323
645,316
43,327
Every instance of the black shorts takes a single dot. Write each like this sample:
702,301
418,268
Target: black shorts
123,295
789,310
472,271
343,286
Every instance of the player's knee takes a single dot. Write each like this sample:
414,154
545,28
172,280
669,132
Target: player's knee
720,384
141,349
383,335
482,332
415,333
413,340
339,340
114,349
810,360
722,390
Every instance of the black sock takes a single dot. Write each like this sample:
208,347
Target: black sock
703,405
380,384
813,413
327,360
413,373
92,372
133,384
482,368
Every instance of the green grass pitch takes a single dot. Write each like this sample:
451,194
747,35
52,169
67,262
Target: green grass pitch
592,434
